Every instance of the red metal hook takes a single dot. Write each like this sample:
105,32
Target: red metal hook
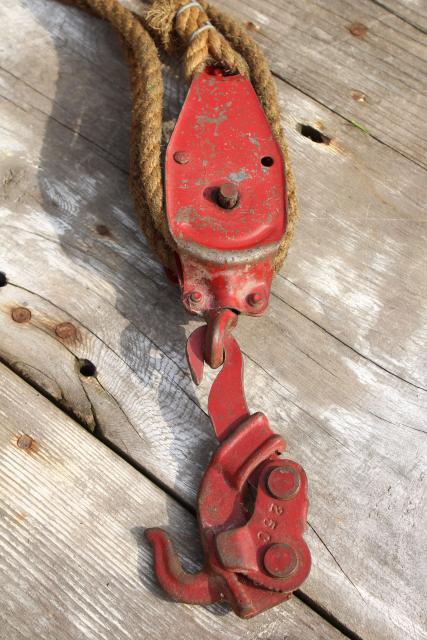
219,322
227,403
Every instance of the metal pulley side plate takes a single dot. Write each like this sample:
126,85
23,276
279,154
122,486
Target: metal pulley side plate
223,138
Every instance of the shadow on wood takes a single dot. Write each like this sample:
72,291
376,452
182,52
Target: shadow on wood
140,299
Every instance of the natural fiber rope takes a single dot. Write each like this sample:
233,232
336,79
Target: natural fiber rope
173,25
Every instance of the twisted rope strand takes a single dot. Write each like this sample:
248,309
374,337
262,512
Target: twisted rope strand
175,29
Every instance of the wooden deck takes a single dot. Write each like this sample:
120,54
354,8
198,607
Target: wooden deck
338,363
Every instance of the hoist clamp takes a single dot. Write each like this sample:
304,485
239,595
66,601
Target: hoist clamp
226,206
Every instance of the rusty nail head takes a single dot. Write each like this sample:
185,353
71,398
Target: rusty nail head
228,195
358,96
65,330
283,482
280,560
181,157
21,314
25,441
251,26
358,29
195,296
255,299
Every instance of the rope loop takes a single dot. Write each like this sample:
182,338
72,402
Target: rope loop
184,27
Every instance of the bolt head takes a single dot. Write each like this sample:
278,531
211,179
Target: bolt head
280,560
283,482
228,195
181,157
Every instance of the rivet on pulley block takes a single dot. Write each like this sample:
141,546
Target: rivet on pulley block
181,157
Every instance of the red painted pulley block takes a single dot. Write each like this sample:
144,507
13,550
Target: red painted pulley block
225,196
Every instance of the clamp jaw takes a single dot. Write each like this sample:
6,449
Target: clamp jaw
252,505
226,204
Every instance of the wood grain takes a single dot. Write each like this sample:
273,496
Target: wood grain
310,45
413,12
73,560
335,364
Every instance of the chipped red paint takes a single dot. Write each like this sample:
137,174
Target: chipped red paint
226,205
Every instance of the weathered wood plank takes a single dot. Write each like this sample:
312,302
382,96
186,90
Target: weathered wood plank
73,560
413,12
309,45
110,288
146,417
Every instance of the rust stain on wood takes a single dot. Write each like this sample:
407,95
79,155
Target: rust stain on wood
358,29
21,314
66,331
26,443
